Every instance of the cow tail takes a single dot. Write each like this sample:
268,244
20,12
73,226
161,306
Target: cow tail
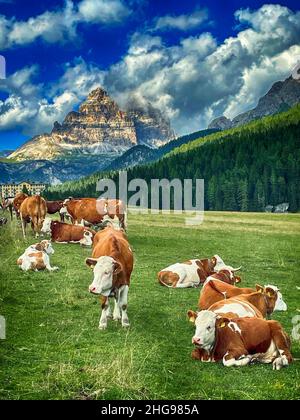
162,281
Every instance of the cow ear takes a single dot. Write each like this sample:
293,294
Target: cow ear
91,262
259,288
222,322
117,267
192,315
270,292
237,279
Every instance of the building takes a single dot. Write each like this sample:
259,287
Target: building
10,190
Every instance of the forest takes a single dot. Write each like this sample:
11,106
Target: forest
244,169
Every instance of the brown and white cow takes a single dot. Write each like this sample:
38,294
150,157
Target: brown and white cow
215,290
37,257
239,341
192,273
65,233
18,200
93,210
54,207
258,304
33,209
112,262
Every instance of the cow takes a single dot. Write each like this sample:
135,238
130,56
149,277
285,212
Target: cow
192,273
8,203
55,207
215,290
33,209
37,257
258,304
66,233
93,211
239,341
18,200
112,262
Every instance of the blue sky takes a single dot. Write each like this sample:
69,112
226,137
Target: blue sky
195,60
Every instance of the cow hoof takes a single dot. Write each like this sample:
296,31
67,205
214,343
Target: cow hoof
280,362
102,327
117,318
125,324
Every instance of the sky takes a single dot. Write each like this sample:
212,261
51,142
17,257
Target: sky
194,60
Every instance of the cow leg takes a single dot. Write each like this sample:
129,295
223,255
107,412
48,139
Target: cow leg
123,302
47,264
23,224
104,313
202,355
283,345
117,311
236,358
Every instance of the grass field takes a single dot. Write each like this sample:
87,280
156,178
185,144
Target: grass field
54,349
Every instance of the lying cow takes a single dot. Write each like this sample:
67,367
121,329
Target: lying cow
192,273
37,257
65,233
215,290
239,341
112,262
258,304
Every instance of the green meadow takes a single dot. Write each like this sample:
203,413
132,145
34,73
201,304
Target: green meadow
54,350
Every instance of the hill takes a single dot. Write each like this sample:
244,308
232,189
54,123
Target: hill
244,168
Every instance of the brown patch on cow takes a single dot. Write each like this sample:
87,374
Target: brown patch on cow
168,278
188,262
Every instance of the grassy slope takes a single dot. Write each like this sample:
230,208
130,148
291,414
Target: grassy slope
54,349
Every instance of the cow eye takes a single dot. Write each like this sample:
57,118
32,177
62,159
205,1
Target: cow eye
208,328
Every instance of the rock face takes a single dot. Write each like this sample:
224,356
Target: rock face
99,127
281,97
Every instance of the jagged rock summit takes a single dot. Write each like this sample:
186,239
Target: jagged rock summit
98,127
282,96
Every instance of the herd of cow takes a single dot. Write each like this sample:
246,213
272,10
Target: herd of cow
231,323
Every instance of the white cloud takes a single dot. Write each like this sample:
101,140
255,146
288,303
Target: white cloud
192,82
181,22
60,25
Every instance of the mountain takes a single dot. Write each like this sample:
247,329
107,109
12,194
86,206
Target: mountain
141,154
5,153
245,168
281,97
98,127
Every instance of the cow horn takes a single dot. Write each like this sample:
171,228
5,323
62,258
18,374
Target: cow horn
236,269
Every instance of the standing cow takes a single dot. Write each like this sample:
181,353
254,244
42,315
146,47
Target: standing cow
18,200
34,210
8,203
93,211
55,207
112,262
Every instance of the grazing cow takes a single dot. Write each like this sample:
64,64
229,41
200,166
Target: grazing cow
258,304
65,233
34,210
215,290
37,257
55,207
93,211
18,200
194,272
239,341
112,262
8,203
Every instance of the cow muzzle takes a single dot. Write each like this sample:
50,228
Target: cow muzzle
196,341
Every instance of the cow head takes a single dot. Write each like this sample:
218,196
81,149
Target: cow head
205,334
220,265
105,268
87,239
46,228
45,246
228,276
270,296
280,304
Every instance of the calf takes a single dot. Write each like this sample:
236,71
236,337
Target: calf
239,341
112,262
194,272
65,233
258,304
37,257
215,290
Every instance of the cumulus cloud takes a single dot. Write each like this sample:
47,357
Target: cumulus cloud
193,81
60,25
181,22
